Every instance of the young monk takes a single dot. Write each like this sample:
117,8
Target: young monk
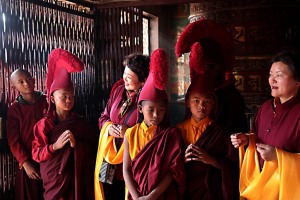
153,162
21,117
64,143
211,163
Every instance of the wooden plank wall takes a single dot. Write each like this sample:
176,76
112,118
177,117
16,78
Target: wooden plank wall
118,33
31,29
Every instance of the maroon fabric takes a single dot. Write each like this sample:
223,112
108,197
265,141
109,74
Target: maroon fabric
281,130
67,172
26,188
113,106
111,113
231,109
21,118
207,182
159,156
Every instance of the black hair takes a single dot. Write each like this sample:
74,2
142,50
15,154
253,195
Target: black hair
291,59
139,64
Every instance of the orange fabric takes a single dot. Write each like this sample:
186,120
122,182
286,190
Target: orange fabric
278,179
110,153
138,136
191,130
98,188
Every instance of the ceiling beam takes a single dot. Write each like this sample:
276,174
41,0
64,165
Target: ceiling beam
137,3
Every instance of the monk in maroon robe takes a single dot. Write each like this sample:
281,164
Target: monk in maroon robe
70,170
21,117
206,181
64,143
151,158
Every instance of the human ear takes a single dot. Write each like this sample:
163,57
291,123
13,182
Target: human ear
52,99
140,108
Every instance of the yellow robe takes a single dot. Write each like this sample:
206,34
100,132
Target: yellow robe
278,180
138,136
191,130
106,150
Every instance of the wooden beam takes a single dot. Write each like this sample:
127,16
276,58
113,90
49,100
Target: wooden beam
137,3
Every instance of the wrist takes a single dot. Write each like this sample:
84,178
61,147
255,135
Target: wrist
53,148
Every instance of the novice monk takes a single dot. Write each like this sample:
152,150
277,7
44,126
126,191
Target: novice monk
153,162
21,117
211,162
64,143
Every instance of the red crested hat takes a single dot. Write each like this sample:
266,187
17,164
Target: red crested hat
215,44
60,64
153,90
201,84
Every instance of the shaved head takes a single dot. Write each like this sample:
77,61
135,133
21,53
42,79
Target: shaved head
16,74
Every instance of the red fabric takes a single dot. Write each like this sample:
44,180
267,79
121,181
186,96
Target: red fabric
196,62
153,90
281,130
159,156
159,68
26,188
231,109
61,59
150,92
21,118
113,106
207,182
201,84
111,113
67,172
207,29
62,80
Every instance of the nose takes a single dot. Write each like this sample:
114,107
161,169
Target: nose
201,104
272,79
69,99
155,114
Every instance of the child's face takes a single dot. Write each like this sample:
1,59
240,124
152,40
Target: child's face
63,99
153,111
200,105
22,82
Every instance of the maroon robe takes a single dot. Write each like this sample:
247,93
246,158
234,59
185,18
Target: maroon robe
21,117
281,130
207,182
231,109
111,113
66,172
160,155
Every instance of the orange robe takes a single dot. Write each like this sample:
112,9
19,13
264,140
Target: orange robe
278,179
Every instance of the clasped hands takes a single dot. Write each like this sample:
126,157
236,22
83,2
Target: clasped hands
267,152
195,153
63,139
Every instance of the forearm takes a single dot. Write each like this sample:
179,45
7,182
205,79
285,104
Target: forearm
162,186
131,184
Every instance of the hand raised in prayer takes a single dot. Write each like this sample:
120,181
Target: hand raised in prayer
267,152
71,139
31,170
66,136
197,154
239,139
